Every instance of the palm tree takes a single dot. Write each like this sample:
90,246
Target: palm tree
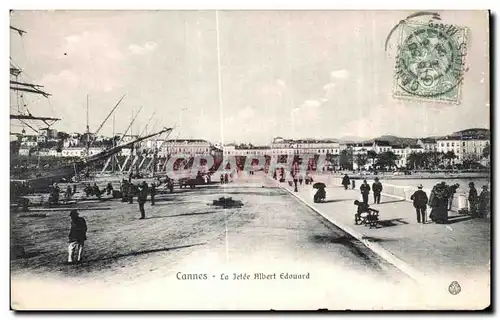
449,156
486,151
372,155
387,159
415,160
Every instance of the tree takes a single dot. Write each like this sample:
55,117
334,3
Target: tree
345,159
386,160
333,158
415,160
470,161
449,156
61,135
433,159
361,160
372,155
486,151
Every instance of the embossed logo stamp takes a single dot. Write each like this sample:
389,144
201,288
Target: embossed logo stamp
454,288
430,62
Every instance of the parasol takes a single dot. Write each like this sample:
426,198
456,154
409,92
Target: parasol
319,185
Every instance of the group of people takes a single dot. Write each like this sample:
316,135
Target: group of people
479,206
78,229
55,193
365,188
347,181
224,178
129,190
441,200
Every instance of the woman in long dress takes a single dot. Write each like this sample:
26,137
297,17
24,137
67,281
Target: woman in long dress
438,201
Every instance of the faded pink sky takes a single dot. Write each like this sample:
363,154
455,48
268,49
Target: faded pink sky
329,67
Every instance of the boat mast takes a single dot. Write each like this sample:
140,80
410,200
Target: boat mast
113,137
88,130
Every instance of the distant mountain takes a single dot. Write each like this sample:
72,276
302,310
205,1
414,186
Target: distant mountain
472,132
352,139
394,140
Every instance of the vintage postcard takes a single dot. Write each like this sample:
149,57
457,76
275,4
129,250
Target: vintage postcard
250,160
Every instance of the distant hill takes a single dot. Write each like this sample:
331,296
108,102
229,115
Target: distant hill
472,132
394,140
352,139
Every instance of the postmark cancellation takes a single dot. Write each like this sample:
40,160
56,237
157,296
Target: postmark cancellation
430,62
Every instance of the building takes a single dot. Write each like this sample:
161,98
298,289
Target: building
128,138
185,146
72,141
428,144
54,153
463,147
79,151
380,146
28,141
24,151
246,150
281,146
403,152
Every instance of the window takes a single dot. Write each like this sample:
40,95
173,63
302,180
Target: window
463,144
447,144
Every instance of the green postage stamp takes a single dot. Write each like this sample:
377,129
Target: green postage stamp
430,62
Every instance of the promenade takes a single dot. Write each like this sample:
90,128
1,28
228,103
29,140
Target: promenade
429,253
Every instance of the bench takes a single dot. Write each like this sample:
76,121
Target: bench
369,218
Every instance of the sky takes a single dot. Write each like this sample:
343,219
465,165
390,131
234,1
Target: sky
294,74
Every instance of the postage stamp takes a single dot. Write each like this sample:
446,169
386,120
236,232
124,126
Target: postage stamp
430,62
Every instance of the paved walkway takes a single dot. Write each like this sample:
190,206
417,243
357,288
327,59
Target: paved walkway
459,250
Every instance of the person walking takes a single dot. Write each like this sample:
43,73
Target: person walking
109,189
77,237
68,194
353,184
295,181
141,199
377,190
365,191
346,182
124,190
130,192
473,199
484,202
420,200
153,193
97,191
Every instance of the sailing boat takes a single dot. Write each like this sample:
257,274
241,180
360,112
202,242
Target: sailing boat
41,179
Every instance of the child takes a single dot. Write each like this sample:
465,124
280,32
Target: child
362,208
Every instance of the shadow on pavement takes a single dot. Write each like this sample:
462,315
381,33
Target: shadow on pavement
137,253
392,201
349,242
375,239
336,200
452,220
392,222
182,215
252,193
